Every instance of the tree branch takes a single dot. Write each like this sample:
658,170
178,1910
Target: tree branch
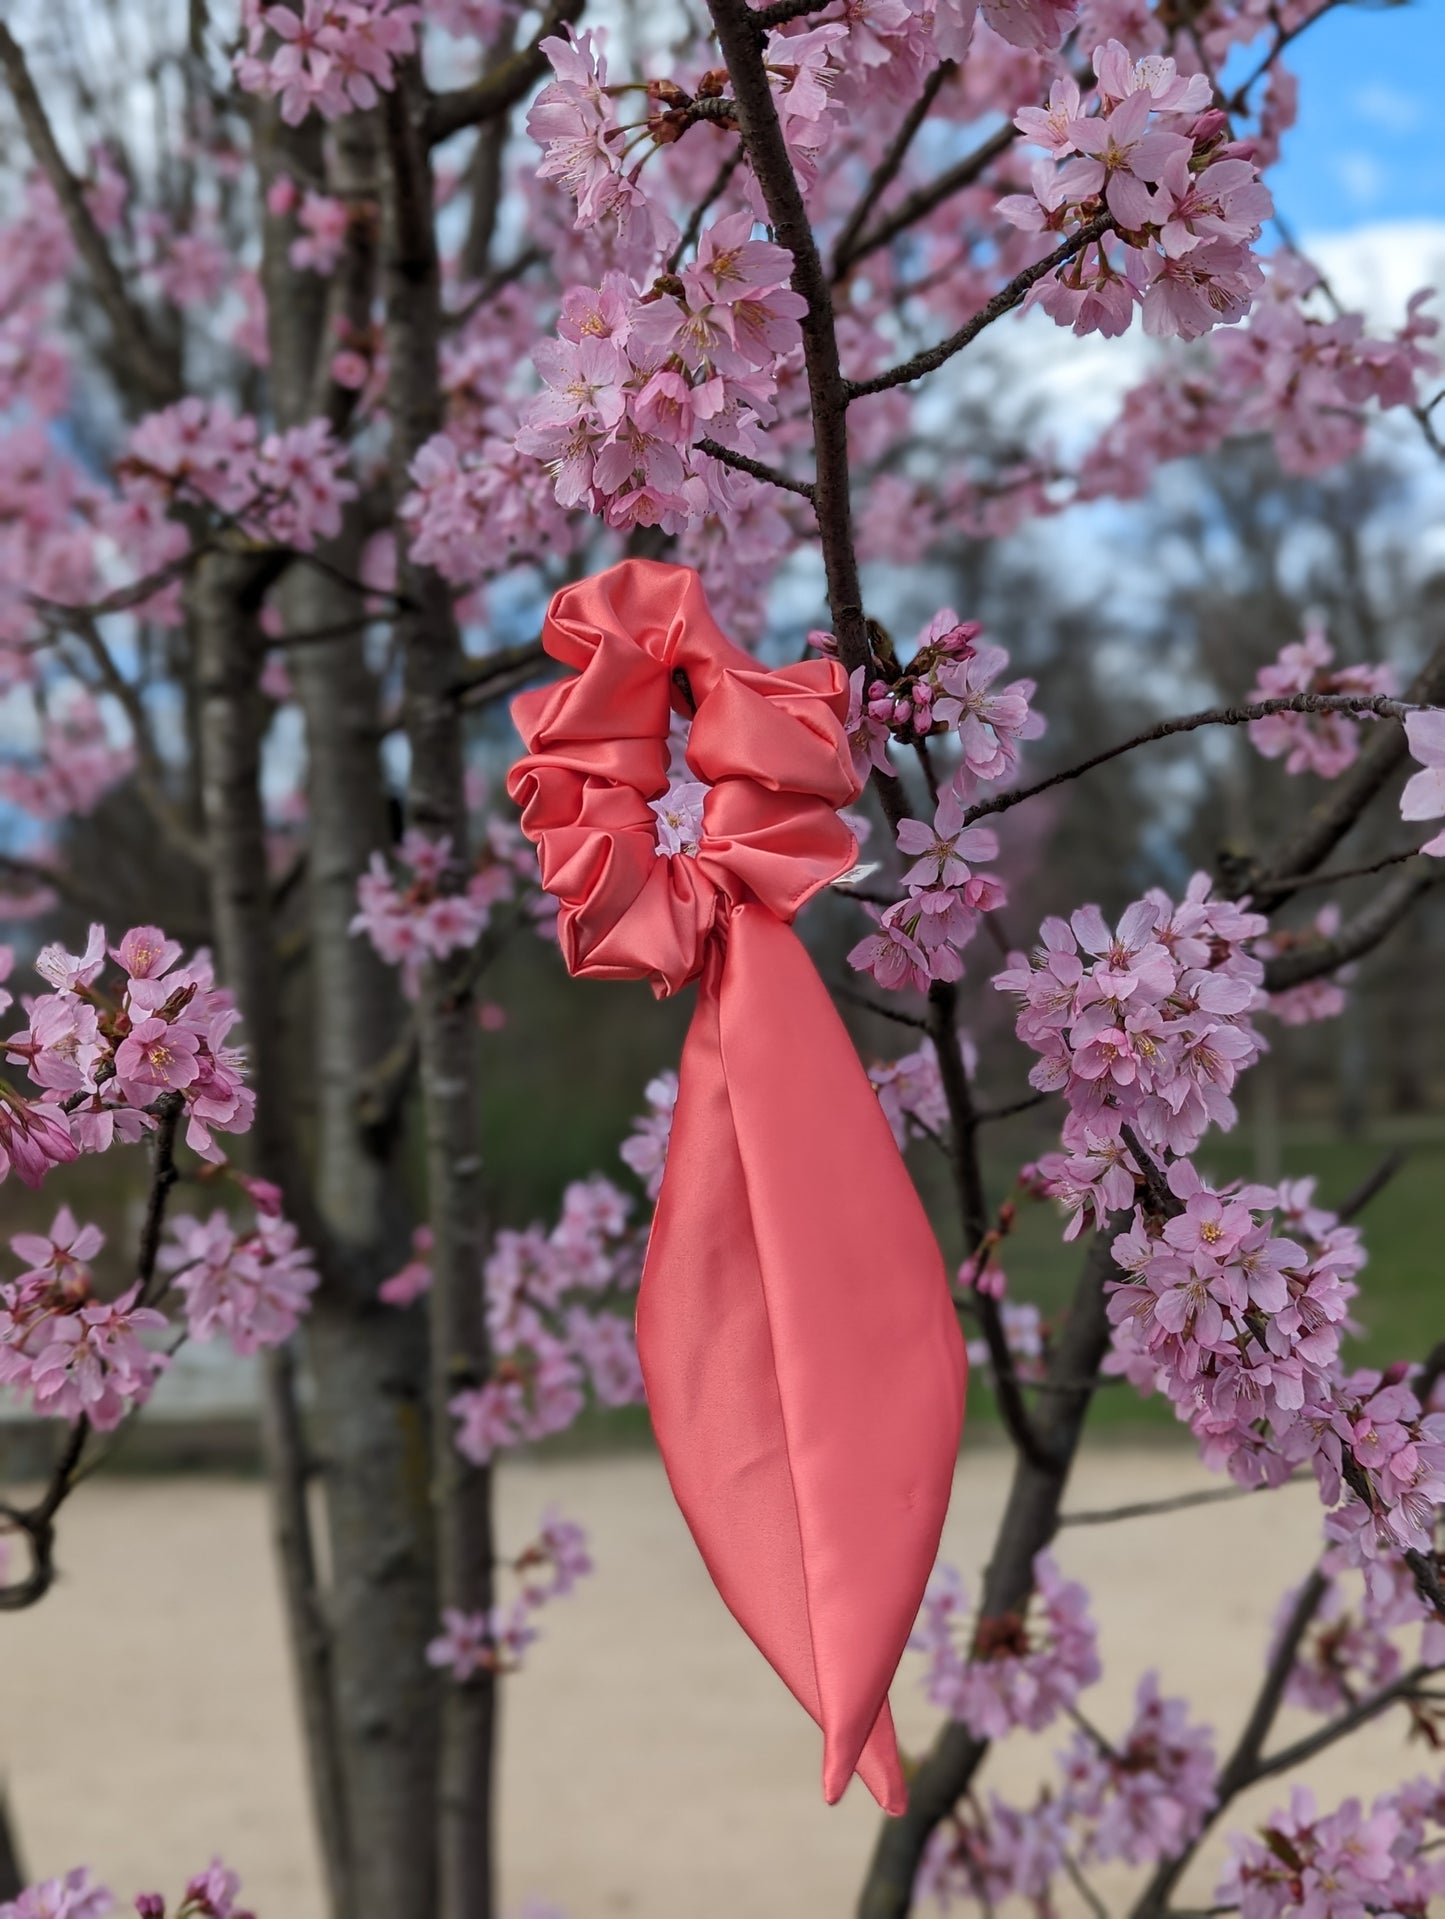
920,203
770,475
502,86
1357,936
741,35
154,368
1346,797
1240,1767
845,247
1189,723
1004,301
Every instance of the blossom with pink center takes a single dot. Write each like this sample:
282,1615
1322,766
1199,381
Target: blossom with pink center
680,817
251,1288
990,725
1227,201
61,1256
1122,157
75,1896
1424,794
1212,285
1148,1794
645,1148
942,853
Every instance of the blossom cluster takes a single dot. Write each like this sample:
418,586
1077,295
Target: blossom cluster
1137,1799
1147,1026
946,695
1323,743
554,1332
250,1287
946,688
920,937
495,1641
212,1894
1346,1861
640,374
1183,201
287,487
76,762
1022,1669
1236,1322
73,1354
102,1054
428,918
330,56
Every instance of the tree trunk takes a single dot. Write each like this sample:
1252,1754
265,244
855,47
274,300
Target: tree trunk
446,1022
367,1697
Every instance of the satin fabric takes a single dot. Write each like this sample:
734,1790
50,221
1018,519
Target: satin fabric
804,1368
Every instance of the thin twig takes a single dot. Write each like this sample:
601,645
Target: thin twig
1004,301
502,87
154,368
1373,703
770,475
919,204
1181,1502
886,171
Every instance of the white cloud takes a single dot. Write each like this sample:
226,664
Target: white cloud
1389,107
1361,175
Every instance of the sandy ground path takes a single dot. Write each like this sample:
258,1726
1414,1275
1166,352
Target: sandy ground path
654,1767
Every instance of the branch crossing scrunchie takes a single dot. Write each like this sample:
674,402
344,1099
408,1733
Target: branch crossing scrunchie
802,1358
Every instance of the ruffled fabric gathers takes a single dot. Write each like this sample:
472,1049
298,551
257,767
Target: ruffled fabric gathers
802,1358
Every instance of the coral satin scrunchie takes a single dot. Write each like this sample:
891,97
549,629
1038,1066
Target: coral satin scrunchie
802,1358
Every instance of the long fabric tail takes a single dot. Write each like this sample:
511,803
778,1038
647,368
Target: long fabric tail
803,1361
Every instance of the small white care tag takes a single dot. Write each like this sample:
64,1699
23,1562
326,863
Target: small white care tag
857,873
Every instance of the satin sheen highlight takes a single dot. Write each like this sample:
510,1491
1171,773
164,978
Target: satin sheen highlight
802,1357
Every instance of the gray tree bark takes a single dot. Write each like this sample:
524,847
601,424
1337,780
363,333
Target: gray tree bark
446,1018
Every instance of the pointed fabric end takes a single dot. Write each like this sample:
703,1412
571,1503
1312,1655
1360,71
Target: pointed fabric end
878,1766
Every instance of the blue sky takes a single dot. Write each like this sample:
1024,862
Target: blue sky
1369,144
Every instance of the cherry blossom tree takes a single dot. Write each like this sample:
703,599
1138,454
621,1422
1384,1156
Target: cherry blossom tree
380,321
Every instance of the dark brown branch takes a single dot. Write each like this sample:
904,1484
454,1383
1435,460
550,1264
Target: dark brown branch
154,368
886,171
1342,1726
741,34
1372,1185
920,203
1148,1508
1190,723
963,1159
1337,875
877,1007
1346,798
770,475
1357,936
504,662
1004,301
502,86
1239,1769
1238,101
